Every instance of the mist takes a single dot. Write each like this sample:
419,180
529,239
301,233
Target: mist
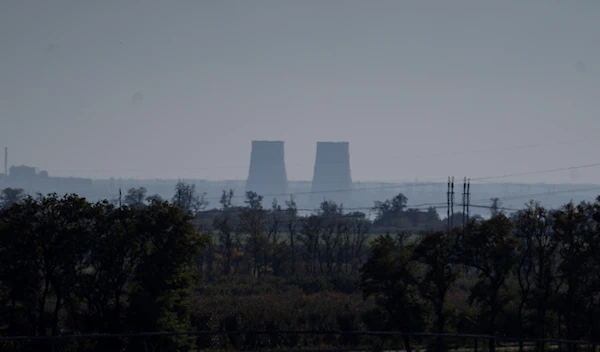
420,90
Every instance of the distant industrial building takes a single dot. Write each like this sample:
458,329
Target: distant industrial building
32,181
24,173
267,175
332,177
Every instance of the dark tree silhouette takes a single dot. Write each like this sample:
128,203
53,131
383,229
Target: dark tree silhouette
10,196
437,252
389,277
135,197
489,247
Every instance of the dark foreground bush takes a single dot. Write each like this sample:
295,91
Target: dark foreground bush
293,310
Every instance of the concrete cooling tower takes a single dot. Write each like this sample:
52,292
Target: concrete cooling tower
267,173
332,172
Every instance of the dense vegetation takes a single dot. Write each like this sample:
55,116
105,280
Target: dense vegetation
70,266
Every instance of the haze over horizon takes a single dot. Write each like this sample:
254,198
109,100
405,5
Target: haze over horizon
420,89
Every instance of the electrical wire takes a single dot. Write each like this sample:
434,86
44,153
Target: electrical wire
474,151
541,194
536,172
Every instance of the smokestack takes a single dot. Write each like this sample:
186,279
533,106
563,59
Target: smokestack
332,172
6,161
267,173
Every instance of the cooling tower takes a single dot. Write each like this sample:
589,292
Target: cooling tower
267,173
332,172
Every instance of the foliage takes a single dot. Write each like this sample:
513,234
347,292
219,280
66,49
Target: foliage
489,248
187,198
135,197
10,196
389,277
70,266
392,215
436,252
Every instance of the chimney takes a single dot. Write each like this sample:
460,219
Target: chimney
332,172
267,173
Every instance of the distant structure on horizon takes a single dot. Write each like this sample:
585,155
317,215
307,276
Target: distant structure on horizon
332,172
6,161
33,181
267,174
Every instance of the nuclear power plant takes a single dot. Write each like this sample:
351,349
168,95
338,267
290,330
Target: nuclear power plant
267,174
332,173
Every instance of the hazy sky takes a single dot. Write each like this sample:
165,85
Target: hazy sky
168,89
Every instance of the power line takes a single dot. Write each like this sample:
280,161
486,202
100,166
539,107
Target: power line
521,196
408,207
490,207
437,205
519,147
343,190
537,172
301,219
434,183
417,184
474,151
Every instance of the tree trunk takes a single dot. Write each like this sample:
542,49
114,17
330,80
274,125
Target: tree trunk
227,266
492,326
42,308
440,343
55,314
492,345
520,317
542,327
407,343
541,311
293,249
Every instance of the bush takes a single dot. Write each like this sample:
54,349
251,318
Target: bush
293,310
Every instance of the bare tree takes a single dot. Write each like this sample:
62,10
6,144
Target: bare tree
537,269
224,224
252,221
312,227
331,239
292,224
359,227
273,229
154,198
331,234
188,199
345,246
495,208
135,197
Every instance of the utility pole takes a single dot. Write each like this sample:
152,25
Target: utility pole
464,202
6,161
448,208
119,198
468,197
452,204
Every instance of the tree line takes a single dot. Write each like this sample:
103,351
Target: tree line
532,274
71,266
